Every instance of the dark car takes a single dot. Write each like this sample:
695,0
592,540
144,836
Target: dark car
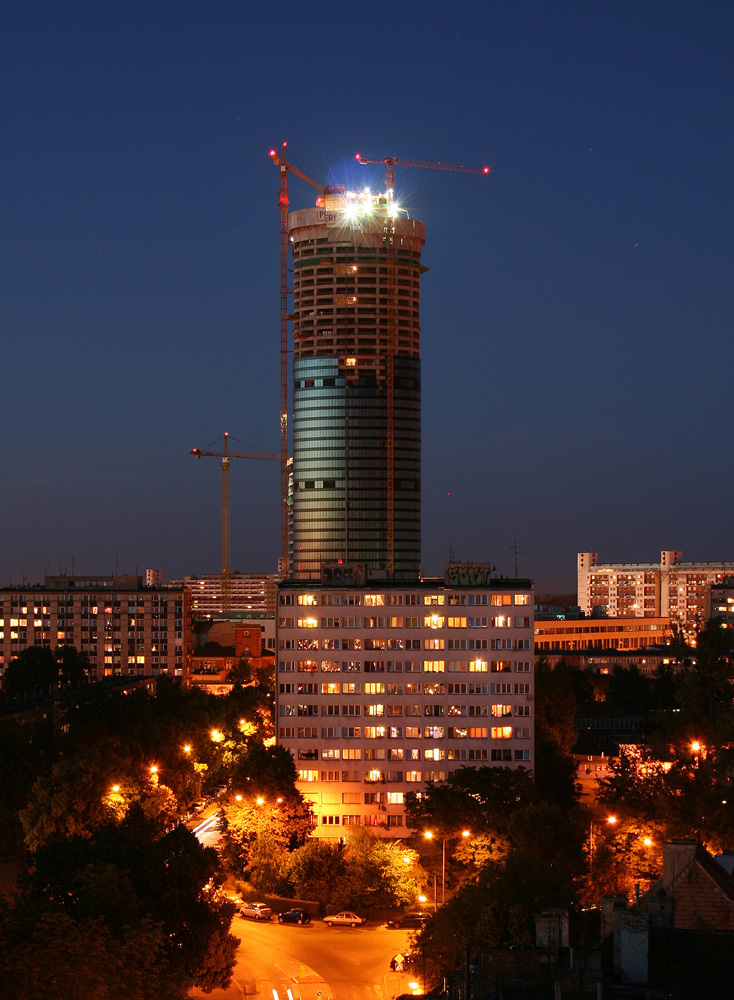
294,917
414,919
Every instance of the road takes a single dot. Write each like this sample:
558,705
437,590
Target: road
314,962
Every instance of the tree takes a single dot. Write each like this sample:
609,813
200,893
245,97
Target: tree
555,705
240,672
37,669
315,869
125,872
479,799
284,821
628,690
375,874
59,958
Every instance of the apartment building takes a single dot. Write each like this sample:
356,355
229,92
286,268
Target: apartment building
124,628
383,686
670,589
251,593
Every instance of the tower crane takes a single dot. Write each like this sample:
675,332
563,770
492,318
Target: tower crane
279,159
390,163
225,454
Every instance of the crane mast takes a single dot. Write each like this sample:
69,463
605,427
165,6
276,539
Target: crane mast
225,454
279,159
390,163
285,168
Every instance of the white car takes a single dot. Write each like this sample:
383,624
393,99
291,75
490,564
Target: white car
256,911
345,918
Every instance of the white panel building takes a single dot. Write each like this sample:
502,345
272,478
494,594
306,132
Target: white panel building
670,589
384,686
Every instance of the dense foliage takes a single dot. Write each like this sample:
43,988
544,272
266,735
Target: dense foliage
122,912
122,896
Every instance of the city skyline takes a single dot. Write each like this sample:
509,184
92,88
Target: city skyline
575,315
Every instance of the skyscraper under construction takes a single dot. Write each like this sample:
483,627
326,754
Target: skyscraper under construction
356,385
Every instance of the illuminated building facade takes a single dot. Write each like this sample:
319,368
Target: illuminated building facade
601,633
384,686
253,593
222,644
122,627
670,589
341,372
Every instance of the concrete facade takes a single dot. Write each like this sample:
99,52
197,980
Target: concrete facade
124,628
253,593
670,589
384,685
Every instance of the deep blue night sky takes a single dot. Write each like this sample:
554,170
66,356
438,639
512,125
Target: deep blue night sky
577,314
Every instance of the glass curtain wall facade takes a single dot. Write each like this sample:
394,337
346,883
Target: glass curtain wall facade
340,402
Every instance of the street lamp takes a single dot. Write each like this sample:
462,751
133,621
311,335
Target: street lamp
428,834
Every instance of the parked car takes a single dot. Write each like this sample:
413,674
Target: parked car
416,918
256,911
344,918
294,917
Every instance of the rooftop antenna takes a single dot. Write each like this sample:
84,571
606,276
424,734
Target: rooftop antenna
517,552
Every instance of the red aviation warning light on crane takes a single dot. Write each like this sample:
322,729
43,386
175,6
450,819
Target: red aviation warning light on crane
396,161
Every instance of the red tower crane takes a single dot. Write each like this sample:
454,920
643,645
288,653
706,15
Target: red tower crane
391,162
225,454
279,159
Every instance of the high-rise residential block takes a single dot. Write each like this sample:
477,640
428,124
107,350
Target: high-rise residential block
670,589
384,685
122,627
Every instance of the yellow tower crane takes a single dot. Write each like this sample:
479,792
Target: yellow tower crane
391,162
225,454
